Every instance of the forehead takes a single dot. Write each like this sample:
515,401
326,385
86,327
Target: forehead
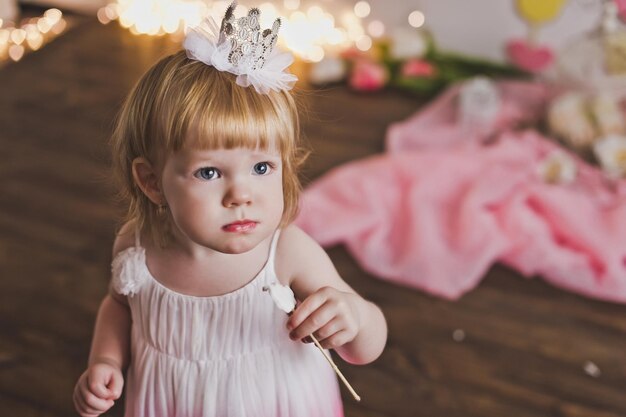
203,138
223,156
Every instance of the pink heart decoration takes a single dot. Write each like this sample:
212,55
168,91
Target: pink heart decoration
533,58
621,8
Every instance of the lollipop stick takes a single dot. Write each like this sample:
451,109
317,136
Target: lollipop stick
337,371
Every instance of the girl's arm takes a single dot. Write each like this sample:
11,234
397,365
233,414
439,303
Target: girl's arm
111,339
101,384
330,309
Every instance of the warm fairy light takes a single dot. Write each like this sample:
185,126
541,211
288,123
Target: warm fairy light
416,19
31,35
364,43
157,17
362,9
306,35
268,14
35,41
353,26
309,33
16,52
315,13
292,4
59,27
376,28
102,16
316,54
18,36
43,25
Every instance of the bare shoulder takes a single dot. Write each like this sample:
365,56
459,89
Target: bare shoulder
294,244
293,235
298,255
125,238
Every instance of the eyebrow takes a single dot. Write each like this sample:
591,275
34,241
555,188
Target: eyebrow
194,158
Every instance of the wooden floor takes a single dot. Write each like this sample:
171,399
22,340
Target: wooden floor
525,345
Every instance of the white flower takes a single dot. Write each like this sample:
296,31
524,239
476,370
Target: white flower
407,43
328,70
479,103
283,296
608,115
569,119
557,168
611,153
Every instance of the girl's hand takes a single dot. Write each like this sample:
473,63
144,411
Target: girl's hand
331,315
97,389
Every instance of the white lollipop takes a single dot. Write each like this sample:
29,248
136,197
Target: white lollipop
285,300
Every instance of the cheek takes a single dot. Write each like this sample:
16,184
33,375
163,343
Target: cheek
193,214
186,200
278,197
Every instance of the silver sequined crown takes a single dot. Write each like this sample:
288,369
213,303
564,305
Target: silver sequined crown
250,46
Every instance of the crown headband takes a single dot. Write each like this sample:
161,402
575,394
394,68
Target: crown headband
239,47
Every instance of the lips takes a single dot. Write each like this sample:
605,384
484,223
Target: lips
240,226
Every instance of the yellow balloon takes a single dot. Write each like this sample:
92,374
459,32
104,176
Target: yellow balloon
539,11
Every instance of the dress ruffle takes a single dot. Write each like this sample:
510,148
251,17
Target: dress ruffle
129,271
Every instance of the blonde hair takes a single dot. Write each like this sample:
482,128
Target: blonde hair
178,95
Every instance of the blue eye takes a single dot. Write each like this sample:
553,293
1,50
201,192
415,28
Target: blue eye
208,173
262,168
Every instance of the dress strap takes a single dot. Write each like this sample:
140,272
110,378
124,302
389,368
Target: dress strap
272,255
137,237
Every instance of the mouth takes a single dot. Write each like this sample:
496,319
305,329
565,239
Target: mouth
240,226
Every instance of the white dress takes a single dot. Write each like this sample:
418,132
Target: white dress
221,356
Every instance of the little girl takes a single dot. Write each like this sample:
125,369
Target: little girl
206,150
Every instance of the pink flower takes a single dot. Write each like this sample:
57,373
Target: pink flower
418,68
621,8
368,76
529,57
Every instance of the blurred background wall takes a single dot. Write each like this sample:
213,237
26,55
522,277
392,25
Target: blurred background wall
476,27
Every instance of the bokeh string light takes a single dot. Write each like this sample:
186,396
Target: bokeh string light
310,32
30,35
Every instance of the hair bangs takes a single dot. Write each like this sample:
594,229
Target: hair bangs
240,119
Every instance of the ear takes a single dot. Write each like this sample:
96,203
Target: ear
147,180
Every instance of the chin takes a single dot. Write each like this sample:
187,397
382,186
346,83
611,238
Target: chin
236,251
235,248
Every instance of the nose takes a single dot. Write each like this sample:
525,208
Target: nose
238,194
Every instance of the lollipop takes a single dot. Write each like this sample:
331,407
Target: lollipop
539,11
285,300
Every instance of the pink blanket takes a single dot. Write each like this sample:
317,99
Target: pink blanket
437,215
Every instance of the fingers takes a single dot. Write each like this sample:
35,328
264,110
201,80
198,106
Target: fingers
328,330
306,308
98,387
95,391
316,320
338,339
87,404
115,386
327,315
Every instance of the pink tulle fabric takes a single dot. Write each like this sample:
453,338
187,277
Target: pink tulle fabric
444,204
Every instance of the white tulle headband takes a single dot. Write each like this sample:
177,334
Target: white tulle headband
240,48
